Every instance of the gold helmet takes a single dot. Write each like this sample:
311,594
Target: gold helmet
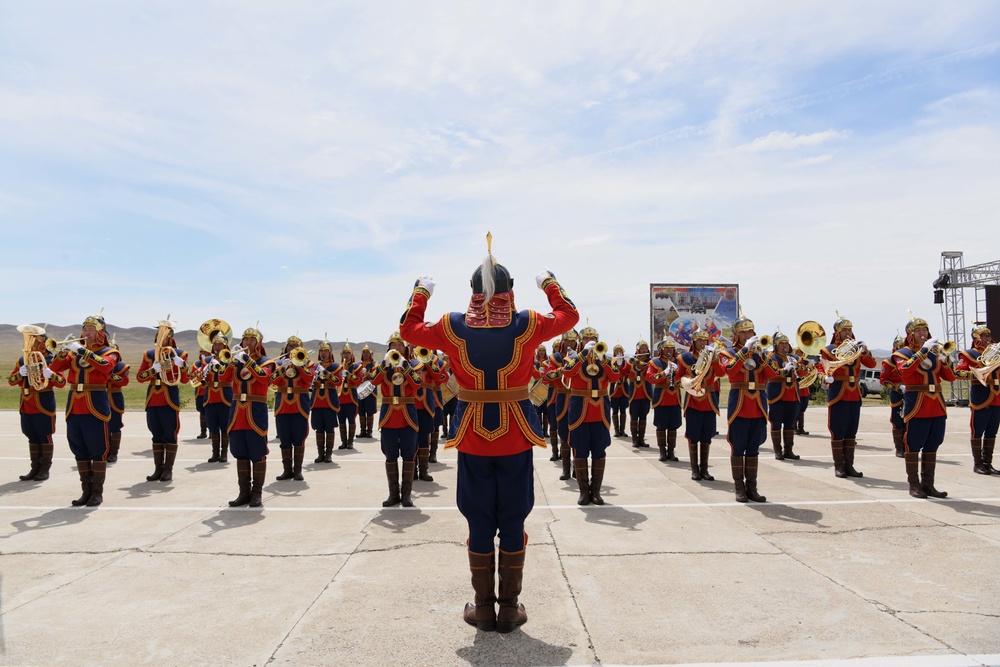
589,332
366,349
742,323
640,344
915,323
666,343
571,335
253,332
779,338
979,330
96,321
700,334
841,323
347,348
294,341
395,338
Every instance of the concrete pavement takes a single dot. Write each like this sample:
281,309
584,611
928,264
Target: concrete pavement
670,571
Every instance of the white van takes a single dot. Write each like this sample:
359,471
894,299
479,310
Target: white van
871,381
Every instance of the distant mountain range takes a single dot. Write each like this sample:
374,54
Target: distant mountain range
136,340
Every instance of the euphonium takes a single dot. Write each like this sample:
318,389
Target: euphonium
990,359
846,353
163,353
32,358
695,386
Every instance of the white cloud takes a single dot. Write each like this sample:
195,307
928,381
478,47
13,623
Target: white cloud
786,141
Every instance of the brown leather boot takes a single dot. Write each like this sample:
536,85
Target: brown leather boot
750,472
392,475
115,440
224,448
624,418
776,443
642,434
554,444
351,429
736,463
661,444
44,462
672,445
703,465
204,427
320,447
912,475
216,441
597,478
693,455
86,475
100,470
259,471
928,462
788,437
169,456
433,458
329,438
583,481
423,458
897,441
406,486
343,437
157,463
988,445
566,454
510,570
849,445
837,447
286,464
243,479
800,425
977,457
633,425
33,453
298,456
482,613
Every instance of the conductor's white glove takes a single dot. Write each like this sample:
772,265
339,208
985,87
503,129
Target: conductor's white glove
543,276
427,283
23,371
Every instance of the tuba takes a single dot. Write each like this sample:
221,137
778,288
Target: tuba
170,375
810,337
209,329
32,358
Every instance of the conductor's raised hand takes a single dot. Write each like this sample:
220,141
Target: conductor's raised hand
543,276
427,283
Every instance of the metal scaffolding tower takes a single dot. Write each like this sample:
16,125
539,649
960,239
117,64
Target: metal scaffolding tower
952,280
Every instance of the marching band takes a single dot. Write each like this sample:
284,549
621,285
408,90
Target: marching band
579,392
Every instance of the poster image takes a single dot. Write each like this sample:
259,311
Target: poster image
678,311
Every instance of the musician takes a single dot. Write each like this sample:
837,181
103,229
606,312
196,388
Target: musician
353,373
38,404
783,397
806,369
426,404
541,363
326,401
119,379
199,392
892,380
367,406
248,417
443,367
397,381
843,396
922,366
665,398
589,375
700,410
292,404
984,401
638,403
748,373
88,410
217,378
163,367
568,348
491,348
618,394
551,376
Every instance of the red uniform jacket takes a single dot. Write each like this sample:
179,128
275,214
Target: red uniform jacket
31,402
87,369
399,408
704,403
846,379
746,401
923,385
293,392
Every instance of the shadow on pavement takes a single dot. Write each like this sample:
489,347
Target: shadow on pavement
398,521
146,489
516,648
202,467
234,518
287,488
973,508
67,516
615,517
18,486
876,483
789,513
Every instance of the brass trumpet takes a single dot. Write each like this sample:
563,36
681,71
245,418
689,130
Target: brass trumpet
423,355
594,357
53,346
395,359
947,348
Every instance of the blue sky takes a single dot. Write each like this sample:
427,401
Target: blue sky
300,163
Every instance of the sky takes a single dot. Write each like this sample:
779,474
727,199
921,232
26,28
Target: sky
301,163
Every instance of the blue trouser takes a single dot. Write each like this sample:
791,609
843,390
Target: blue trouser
746,435
667,417
783,415
619,405
116,423
803,404
638,409
368,406
348,412
985,422
199,403
398,443
38,428
426,423
562,424
217,417
323,420
844,417
924,434
700,426
495,495
590,439
88,437
292,429
247,445
163,423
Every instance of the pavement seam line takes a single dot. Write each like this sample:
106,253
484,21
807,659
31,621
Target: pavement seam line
124,554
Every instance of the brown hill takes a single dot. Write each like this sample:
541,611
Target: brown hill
135,340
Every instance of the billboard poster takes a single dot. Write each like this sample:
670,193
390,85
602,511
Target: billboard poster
680,310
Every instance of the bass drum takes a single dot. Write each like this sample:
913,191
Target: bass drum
537,393
365,389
